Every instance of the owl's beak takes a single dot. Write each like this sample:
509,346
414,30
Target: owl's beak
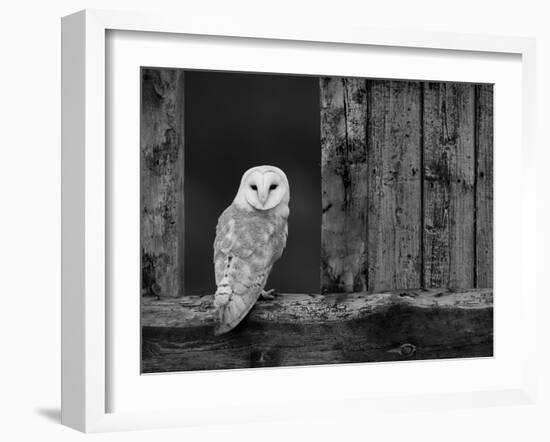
262,195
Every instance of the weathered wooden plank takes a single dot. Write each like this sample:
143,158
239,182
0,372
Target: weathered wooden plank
449,210
319,329
344,186
298,308
484,185
161,181
394,185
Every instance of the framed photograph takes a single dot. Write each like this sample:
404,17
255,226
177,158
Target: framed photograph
250,212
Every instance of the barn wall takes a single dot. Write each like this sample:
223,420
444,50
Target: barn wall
407,185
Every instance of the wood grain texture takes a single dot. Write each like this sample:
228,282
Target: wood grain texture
484,185
162,158
319,329
394,185
344,186
449,179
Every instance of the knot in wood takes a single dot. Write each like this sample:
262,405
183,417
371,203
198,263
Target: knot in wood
407,350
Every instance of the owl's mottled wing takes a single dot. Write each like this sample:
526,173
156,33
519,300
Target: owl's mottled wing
245,249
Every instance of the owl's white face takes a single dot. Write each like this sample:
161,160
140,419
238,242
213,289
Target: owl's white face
263,188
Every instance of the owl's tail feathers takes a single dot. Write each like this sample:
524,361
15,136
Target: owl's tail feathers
230,309
221,303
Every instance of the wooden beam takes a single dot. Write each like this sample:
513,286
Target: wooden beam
300,329
344,184
394,185
162,181
449,185
484,185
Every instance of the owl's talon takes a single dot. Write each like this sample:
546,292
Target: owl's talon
268,294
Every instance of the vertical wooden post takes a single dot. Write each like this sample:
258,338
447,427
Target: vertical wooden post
394,185
484,186
449,192
344,186
162,181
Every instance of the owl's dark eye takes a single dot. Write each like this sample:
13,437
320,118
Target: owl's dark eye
273,187
254,187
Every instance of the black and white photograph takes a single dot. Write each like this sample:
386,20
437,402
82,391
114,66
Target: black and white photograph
291,220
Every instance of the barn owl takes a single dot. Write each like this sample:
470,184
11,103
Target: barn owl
250,236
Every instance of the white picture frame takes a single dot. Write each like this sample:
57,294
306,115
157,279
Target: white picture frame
86,315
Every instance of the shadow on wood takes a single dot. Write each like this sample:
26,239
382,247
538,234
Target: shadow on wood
298,329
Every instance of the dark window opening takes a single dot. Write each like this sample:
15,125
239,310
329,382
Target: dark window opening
234,121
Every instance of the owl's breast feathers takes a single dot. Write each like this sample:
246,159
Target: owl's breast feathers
246,246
